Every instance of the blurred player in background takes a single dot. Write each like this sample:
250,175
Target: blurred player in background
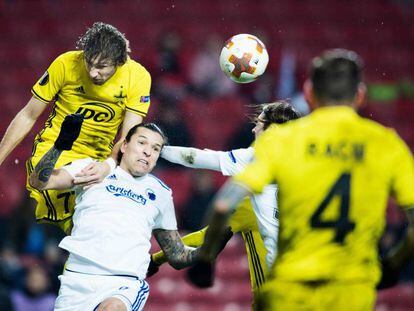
256,217
113,221
99,81
335,171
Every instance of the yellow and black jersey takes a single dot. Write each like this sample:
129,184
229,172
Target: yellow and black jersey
67,83
335,172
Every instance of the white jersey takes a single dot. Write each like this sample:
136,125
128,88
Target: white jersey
113,223
264,204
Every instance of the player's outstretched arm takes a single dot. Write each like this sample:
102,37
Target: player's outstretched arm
178,255
227,199
225,202
20,126
192,157
398,256
45,176
194,239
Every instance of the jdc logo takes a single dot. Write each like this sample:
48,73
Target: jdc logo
96,111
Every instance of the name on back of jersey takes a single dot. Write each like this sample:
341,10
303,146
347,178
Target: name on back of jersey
342,150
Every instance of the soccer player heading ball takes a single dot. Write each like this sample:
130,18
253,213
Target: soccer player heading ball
335,171
102,83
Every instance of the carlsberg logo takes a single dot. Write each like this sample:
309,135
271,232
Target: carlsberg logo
122,192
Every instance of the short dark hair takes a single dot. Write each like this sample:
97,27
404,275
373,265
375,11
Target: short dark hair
277,112
105,41
151,126
335,75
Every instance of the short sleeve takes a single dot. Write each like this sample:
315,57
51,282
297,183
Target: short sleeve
49,85
166,218
234,161
403,174
138,101
259,172
76,166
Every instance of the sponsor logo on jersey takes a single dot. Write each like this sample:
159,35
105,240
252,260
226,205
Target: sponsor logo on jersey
150,194
127,193
144,99
113,177
96,111
44,79
80,90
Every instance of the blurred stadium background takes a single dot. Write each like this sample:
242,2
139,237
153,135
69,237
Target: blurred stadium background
179,43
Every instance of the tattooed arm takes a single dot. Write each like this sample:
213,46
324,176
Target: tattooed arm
45,176
178,255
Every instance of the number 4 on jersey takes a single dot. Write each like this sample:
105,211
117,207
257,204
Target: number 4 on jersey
342,225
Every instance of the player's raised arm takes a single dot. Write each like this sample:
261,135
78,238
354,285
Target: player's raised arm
130,120
227,199
192,157
229,196
95,172
20,126
178,255
45,176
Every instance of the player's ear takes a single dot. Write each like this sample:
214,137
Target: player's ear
361,96
123,146
309,95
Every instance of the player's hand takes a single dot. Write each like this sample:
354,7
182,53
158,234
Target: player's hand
69,131
92,174
152,268
390,275
201,274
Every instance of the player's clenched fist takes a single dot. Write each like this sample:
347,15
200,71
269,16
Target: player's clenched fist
69,131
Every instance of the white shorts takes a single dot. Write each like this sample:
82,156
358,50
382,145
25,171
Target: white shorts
85,292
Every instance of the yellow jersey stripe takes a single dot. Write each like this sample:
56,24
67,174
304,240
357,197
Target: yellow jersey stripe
40,97
136,111
257,268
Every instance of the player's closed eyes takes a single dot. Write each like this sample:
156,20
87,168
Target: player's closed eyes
257,121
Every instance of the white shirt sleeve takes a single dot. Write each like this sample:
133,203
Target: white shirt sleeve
76,166
166,218
192,157
233,162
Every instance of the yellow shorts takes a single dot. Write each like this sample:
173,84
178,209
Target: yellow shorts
297,296
53,206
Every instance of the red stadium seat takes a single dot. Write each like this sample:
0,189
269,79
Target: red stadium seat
179,180
400,297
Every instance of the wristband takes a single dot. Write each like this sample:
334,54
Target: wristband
111,162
